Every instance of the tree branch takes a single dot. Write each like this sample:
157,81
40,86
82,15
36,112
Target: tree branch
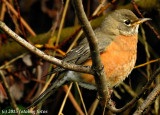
97,65
149,100
43,55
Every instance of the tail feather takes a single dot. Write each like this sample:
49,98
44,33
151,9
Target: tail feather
49,91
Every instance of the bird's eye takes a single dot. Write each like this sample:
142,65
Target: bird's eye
127,22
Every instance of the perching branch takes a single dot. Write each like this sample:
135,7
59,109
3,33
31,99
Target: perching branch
97,65
43,55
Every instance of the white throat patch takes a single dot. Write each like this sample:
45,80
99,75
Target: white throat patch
136,28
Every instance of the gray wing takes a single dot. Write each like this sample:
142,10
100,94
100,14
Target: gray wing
77,55
81,53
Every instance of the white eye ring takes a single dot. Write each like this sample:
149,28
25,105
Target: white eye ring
127,22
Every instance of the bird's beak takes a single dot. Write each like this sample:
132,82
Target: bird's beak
141,20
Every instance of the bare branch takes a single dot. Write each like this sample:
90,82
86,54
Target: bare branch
97,65
43,55
149,100
16,14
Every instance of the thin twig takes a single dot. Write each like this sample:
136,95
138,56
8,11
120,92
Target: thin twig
5,66
131,92
12,101
43,55
58,14
23,21
14,18
37,80
47,83
148,69
39,75
145,88
148,24
93,107
149,100
102,9
48,46
62,21
53,28
75,40
99,7
94,15
97,65
149,62
61,24
73,101
3,11
80,94
64,101
19,17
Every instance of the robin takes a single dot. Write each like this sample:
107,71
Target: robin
117,41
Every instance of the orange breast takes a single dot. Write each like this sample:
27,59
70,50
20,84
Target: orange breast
118,60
